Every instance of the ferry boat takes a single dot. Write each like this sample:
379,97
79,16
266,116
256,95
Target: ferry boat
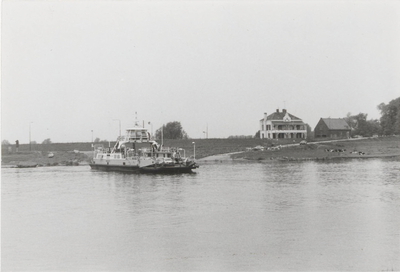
136,152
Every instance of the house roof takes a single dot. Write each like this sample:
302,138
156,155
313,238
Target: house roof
336,123
279,116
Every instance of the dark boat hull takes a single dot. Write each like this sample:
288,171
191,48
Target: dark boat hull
163,169
27,166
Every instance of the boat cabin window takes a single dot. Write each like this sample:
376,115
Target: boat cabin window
133,135
137,135
144,135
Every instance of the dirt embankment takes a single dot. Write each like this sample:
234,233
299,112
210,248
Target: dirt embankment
37,158
362,148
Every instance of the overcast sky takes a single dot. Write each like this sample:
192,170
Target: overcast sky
70,67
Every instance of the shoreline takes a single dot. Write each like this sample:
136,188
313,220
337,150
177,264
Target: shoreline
236,150
219,158
40,159
227,157
365,148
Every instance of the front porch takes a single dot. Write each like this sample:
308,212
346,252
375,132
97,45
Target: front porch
279,134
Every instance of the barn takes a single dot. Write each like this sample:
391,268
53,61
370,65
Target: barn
336,128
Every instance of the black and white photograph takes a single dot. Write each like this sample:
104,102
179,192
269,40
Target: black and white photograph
189,135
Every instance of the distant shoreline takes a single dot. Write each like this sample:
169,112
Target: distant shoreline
212,150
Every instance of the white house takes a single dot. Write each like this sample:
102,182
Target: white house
282,125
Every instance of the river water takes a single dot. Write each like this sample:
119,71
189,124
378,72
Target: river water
232,216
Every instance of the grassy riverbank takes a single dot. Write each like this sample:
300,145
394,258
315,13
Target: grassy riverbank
37,158
64,152
353,148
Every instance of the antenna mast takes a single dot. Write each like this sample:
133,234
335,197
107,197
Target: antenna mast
136,120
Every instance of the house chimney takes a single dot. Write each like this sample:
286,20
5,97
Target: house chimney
277,110
265,116
284,111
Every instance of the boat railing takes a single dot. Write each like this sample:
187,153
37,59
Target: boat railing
134,138
130,153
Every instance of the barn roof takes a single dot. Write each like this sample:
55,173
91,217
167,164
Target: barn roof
336,123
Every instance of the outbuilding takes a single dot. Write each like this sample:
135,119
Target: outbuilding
332,128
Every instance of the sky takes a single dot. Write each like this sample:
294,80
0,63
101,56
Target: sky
74,70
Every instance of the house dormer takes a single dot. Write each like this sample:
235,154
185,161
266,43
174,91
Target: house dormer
286,117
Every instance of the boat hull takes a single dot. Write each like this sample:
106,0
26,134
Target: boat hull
162,169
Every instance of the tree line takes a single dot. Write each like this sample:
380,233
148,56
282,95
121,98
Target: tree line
387,124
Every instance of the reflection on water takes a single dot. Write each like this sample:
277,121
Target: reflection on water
228,216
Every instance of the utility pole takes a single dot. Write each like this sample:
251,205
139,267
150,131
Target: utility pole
30,142
151,123
162,135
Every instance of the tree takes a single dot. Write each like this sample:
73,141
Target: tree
5,142
361,126
257,136
97,140
46,141
310,133
390,117
374,127
351,121
172,130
